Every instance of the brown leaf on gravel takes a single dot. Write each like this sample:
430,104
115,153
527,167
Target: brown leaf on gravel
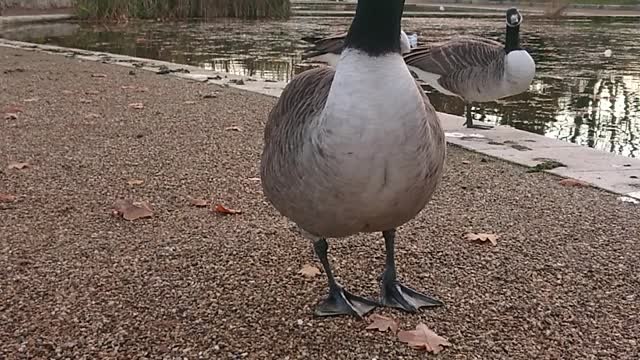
136,106
98,75
492,238
135,88
7,198
199,202
233,128
13,109
573,182
10,116
92,92
424,338
134,182
131,210
18,165
383,323
309,271
226,211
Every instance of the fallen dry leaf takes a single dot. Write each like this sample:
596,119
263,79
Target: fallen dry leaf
131,210
13,109
134,182
233,128
383,323
136,106
7,198
424,338
223,210
18,165
136,88
99,75
10,116
309,271
573,182
199,202
492,238
92,92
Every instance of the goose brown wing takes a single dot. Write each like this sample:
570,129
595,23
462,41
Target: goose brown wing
455,55
300,102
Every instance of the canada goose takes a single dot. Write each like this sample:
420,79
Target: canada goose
327,50
476,69
356,149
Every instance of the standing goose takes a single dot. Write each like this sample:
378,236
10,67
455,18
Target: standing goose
356,149
476,69
327,50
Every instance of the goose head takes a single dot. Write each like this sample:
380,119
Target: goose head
514,18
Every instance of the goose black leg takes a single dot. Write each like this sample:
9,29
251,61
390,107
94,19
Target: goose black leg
393,293
339,301
469,123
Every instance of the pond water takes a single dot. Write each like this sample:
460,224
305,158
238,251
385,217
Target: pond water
578,95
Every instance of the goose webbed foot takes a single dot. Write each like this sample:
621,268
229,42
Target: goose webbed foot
393,293
342,302
339,301
398,296
479,127
469,121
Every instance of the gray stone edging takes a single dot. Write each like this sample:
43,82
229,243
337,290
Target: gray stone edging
614,173
23,19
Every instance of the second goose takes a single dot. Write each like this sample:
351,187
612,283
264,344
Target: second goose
476,69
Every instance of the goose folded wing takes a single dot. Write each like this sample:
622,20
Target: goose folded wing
332,44
455,55
301,101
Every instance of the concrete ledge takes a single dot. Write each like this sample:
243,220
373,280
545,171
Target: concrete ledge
601,169
21,19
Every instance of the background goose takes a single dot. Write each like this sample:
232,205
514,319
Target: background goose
356,149
476,69
327,50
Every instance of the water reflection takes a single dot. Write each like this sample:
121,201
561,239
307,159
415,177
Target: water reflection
578,95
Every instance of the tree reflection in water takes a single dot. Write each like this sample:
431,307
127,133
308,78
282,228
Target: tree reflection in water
578,95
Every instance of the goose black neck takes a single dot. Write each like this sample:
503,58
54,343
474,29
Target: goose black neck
375,29
513,38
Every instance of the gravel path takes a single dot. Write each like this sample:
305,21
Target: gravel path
77,281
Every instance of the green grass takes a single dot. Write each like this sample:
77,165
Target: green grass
181,9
